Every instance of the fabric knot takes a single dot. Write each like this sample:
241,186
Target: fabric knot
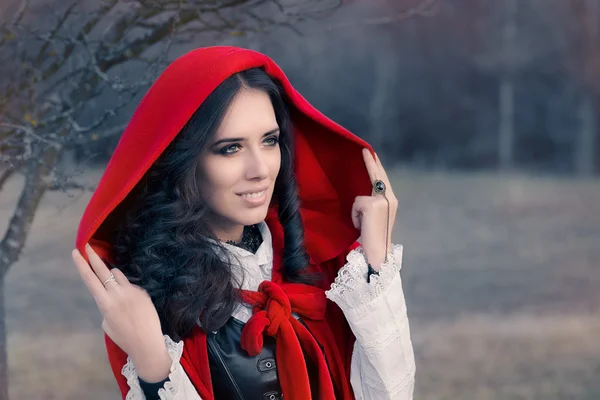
277,307
272,307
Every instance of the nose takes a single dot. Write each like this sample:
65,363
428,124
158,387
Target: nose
257,167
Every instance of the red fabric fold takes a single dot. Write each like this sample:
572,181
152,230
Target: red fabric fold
273,306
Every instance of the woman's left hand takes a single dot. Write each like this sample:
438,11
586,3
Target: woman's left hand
370,214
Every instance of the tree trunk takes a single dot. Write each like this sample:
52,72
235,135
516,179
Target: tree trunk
3,352
381,98
506,128
36,183
12,243
586,148
5,175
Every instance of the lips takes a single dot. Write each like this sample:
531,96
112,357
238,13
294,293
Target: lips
255,198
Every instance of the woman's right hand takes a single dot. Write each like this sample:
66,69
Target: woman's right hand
130,318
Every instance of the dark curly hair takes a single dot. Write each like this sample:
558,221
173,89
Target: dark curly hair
163,244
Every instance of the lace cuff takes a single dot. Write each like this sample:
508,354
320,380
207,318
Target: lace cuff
177,387
383,365
352,292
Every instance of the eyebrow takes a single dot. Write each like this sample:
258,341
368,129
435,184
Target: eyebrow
233,140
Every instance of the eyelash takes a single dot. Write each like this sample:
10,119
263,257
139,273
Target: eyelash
226,150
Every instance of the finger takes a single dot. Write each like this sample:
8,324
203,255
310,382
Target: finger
356,218
88,276
383,174
389,193
101,270
357,210
120,277
370,164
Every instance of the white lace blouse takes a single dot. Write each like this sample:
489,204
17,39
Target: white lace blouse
382,366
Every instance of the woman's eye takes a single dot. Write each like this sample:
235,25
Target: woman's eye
272,141
231,149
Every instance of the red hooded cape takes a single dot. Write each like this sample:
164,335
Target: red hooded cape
330,173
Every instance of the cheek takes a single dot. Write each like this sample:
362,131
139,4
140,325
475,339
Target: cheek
215,180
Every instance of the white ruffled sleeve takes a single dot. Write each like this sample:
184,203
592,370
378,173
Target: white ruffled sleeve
383,364
178,387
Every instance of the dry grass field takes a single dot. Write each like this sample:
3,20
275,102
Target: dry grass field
501,273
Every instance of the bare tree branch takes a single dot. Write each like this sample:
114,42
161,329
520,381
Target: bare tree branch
425,9
8,34
71,185
20,222
5,175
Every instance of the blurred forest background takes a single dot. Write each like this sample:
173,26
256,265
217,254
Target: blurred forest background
485,112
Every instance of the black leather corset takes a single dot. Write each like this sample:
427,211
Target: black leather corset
236,375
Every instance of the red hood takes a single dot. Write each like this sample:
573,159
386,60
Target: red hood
329,164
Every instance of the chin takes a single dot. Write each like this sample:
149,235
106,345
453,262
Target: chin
254,216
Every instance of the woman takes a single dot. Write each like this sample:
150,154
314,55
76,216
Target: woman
229,213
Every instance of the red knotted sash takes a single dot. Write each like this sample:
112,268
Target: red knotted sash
273,306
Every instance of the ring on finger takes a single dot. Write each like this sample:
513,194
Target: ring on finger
111,278
379,187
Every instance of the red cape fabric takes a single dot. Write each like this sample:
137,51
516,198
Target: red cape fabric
330,173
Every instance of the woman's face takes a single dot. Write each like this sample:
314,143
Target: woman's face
237,171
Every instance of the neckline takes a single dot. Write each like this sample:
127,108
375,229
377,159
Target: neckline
251,239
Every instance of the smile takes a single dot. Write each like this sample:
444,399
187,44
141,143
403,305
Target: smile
254,195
